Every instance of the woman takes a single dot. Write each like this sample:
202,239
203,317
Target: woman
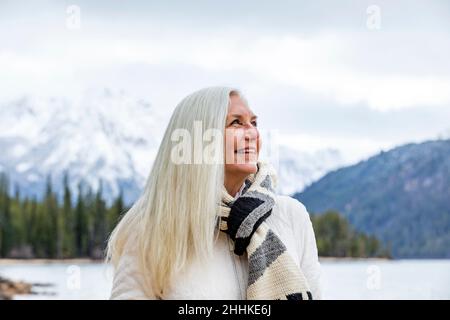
208,229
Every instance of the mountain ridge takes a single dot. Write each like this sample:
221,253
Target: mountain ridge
401,196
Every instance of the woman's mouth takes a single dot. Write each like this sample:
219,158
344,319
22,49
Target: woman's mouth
245,151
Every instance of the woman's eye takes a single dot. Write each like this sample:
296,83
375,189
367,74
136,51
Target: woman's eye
237,122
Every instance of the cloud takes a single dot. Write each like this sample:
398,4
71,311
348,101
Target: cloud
332,74
320,64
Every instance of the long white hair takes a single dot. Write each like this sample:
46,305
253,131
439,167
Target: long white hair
174,220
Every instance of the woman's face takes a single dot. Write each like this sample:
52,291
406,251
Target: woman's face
242,141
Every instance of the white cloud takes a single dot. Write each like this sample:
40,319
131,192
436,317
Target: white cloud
352,149
315,64
324,52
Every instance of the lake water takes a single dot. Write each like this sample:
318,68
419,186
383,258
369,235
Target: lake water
341,279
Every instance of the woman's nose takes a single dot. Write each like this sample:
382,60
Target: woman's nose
251,133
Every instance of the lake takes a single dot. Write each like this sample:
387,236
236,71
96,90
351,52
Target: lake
341,279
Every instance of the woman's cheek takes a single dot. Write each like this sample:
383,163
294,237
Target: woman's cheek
259,144
232,142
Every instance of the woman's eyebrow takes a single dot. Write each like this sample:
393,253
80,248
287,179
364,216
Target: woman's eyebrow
240,116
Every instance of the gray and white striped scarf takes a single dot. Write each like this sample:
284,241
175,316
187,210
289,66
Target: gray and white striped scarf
273,274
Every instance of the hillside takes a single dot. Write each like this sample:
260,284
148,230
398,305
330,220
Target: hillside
402,196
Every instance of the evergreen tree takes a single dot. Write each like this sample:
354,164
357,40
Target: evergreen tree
99,224
67,226
51,214
335,237
80,224
116,211
6,232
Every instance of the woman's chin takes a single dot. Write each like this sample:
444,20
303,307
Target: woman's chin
248,168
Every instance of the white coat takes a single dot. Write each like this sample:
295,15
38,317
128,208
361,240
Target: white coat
225,275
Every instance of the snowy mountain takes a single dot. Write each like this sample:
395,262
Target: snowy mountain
105,136
296,170
111,137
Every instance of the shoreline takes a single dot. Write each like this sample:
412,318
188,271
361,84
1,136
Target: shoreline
342,259
8,261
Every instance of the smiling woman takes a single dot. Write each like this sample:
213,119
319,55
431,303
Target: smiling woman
214,230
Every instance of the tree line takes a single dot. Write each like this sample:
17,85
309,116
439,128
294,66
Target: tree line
48,228
79,227
336,237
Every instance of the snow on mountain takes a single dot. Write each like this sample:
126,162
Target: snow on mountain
111,137
296,169
107,136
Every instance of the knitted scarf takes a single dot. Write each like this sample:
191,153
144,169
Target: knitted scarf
273,274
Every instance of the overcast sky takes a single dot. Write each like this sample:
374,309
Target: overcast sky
358,76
